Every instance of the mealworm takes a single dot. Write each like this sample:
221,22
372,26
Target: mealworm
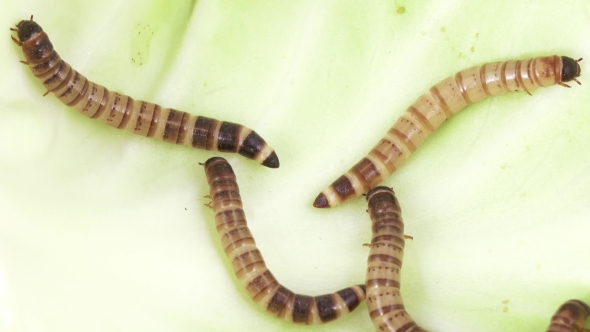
435,106
123,112
570,317
249,266
384,299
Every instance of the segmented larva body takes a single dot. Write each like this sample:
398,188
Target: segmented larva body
570,317
139,117
384,299
438,104
249,266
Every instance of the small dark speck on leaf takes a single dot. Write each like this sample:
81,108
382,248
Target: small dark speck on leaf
401,10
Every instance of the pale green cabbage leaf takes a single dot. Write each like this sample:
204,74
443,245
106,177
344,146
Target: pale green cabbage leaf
102,230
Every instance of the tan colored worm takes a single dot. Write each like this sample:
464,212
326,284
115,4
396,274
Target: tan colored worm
249,266
438,104
123,112
570,317
384,299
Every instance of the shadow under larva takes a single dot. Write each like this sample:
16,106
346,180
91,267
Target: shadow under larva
249,266
123,112
431,109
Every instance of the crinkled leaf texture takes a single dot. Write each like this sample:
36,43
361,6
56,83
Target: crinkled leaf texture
102,230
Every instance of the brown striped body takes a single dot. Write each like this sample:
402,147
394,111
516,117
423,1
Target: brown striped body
434,107
570,317
384,300
139,117
249,266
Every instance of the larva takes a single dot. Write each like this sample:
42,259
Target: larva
123,112
384,300
249,266
570,317
435,106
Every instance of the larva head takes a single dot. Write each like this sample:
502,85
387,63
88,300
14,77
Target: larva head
27,29
218,169
212,160
378,190
570,70
35,44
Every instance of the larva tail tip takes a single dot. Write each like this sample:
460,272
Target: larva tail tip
321,201
272,161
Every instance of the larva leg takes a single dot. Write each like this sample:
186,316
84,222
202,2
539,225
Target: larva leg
249,266
570,317
384,300
438,104
123,112
14,39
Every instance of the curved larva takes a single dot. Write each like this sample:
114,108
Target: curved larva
249,266
139,117
570,317
438,104
384,300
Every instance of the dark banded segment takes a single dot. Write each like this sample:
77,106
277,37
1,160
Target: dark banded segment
326,307
384,300
252,146
350,297
249,266
343,187
280,300
203,128
434,107
49,64
570,317
302,308
227,140
139,117
172,127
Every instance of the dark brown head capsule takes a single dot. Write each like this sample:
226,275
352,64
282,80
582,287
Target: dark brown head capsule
27,29
571,69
